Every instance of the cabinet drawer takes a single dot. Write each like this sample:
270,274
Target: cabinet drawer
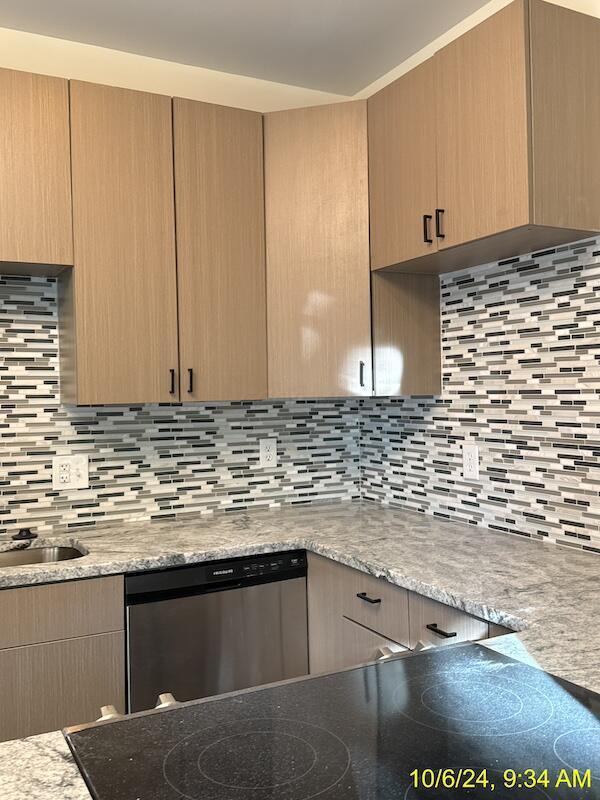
424,612
333,591
377,604
45,687
37,614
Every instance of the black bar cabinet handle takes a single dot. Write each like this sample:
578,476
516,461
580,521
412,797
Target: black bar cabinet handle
438,223
361,373
444,634
190,381
373,600
426,234
172,387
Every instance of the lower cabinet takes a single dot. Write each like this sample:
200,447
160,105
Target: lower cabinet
352,616
433,623
62,654
48,686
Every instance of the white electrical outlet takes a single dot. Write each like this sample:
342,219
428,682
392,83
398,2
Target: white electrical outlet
70,472
268,452
470,455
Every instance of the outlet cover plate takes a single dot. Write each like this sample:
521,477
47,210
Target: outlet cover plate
268,453
470,456
70,472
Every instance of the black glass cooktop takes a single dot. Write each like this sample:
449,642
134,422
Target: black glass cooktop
471,722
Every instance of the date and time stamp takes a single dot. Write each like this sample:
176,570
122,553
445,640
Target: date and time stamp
491,780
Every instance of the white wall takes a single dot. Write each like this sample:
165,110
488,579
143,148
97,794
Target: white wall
50,56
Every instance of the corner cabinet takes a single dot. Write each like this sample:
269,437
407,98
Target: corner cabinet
119,303
487,150
317,234
219,196
35,184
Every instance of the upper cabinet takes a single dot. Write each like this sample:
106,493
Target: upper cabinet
220,252
35,175
120,300
317,233
402,170
482,138
507,128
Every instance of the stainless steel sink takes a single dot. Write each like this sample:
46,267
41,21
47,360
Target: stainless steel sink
38,555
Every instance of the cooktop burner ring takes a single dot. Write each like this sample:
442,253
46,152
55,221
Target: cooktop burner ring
513,689
464,719
563,739
324,763
262,786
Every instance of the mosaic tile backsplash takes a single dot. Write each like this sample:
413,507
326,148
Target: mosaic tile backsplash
521,364
521,379
150,460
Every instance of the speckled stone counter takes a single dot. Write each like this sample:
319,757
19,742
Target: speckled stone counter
551,595
40,768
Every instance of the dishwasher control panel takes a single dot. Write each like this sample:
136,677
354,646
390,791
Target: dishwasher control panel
255,566
192,578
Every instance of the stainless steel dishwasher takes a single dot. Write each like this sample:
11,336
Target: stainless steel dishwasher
212,628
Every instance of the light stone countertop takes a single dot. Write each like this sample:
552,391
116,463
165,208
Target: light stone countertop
550,594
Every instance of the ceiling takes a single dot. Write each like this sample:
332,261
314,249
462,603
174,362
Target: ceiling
336,46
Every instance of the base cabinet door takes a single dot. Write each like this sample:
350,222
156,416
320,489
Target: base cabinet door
45,687
353,645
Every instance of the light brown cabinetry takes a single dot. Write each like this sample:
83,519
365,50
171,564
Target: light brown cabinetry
352,615
62,654
402,168
344,629
447,625
220,251
515,99
317,237
35,184
119,303
46,687
406,334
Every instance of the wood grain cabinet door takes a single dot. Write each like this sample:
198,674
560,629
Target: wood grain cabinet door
35,172
482,129
123,296
317,233
219,192
45,687
402,168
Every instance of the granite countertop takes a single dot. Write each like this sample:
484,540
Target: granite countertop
550,594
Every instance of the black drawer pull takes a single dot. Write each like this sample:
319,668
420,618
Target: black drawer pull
426,234
444,634
373,600
190,381
172,384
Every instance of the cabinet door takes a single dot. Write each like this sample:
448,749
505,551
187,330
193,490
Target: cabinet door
482,129
402,168
35,184
220,251
351,644
317,233
49,686
443,620
123,292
